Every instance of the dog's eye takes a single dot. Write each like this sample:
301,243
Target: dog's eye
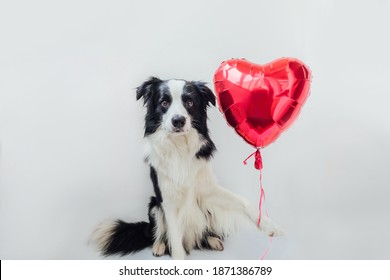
189,104
165,104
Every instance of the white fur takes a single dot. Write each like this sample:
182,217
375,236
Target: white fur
190,190
159,243
176,108
102,234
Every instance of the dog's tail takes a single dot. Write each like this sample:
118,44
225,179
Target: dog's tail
118,237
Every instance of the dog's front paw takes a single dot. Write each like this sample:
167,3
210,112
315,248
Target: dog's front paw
271,228
178,254
215,243
158,249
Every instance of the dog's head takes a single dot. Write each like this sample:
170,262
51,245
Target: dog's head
177,106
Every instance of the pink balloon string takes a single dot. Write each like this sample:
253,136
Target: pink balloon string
259,166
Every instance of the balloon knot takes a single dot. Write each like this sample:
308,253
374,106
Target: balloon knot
258,160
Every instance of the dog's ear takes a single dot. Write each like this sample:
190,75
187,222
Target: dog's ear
205,92
146,89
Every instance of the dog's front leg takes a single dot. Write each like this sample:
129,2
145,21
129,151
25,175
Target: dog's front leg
174,231
231,201
224,198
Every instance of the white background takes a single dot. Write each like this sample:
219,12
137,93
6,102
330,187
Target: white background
71,130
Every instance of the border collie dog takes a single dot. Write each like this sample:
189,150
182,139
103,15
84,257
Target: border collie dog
190,210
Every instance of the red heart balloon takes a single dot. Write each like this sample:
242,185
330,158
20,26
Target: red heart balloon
261,101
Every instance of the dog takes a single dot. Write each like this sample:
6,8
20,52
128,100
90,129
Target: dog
189,210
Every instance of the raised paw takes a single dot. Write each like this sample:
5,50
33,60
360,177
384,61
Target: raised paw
270,228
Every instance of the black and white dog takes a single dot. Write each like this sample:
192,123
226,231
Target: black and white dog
190,209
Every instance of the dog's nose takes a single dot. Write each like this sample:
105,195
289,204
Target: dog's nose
178,121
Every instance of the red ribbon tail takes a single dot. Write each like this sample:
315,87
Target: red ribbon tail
245,160
259,166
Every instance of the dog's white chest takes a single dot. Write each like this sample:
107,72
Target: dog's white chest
174,159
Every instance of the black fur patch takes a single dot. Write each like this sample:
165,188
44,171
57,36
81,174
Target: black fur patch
157,191
151,92
129,238
206,151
